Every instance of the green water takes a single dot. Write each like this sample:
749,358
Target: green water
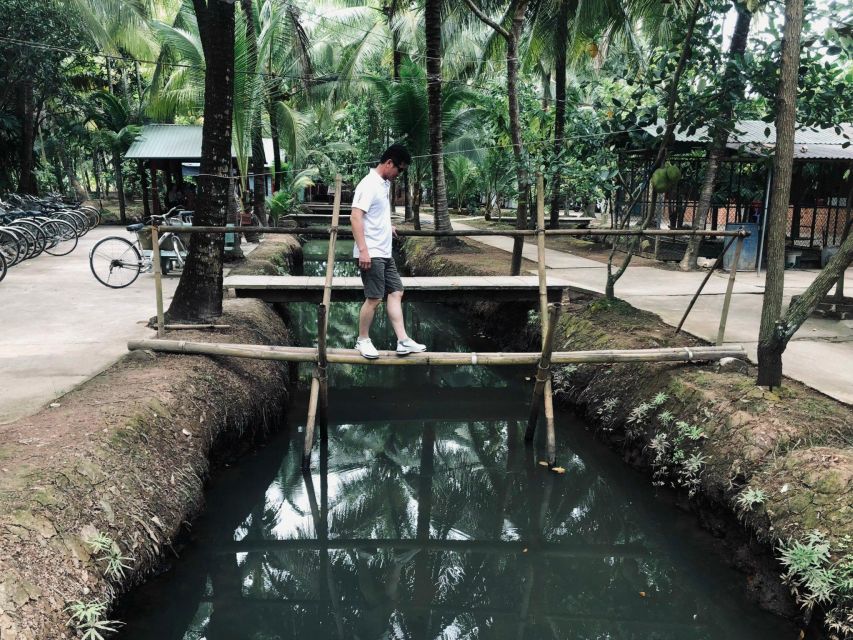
426,517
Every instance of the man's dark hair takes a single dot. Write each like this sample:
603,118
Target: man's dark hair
398,154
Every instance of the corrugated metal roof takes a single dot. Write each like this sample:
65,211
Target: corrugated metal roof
801,151
177,142
760,132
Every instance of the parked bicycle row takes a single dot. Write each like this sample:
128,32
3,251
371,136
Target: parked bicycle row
31,226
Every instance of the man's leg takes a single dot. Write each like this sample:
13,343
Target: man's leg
365,316
394,307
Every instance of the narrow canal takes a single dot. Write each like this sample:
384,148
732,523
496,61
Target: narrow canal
426,517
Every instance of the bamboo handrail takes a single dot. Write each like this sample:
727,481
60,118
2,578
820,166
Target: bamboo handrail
325,231
390,358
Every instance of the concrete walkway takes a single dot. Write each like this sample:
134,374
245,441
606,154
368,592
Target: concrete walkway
820,354
61,327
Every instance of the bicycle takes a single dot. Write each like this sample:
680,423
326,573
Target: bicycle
116,262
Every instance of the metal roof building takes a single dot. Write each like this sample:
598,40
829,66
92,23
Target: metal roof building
177,142
759,138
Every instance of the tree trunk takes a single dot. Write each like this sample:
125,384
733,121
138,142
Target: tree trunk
407,198
515,131
79,191
26,110
259,180
122,206
199,293
99,176
561,46
432,20
732,87
772,338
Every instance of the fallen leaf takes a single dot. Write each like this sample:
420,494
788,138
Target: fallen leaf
186,433
54,405
558,470
524,550
642,594
542,463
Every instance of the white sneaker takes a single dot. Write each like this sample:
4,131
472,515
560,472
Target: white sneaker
407,346
366,349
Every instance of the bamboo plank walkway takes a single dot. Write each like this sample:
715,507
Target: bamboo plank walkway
418,289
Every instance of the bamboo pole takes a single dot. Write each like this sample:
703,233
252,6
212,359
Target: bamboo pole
411,233
390,358
542,371
158,280
724,316
708,275
319,378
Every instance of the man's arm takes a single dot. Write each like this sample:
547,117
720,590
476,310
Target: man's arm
357,221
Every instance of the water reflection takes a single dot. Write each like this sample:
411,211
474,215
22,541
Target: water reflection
425,517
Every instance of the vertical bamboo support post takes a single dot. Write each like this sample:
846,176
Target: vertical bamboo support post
319,378
728,299
708,275
322,361
158,279
543,314
544,368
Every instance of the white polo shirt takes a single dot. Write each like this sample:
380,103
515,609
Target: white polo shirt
372,197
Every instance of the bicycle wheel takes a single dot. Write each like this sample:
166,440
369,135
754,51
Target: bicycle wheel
3,267
76,219
27,237
39,236
115,262
180,251
12,247
64,237
93,216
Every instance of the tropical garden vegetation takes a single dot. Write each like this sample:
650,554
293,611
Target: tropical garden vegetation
485,93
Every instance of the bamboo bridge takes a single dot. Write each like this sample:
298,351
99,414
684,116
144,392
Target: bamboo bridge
446,289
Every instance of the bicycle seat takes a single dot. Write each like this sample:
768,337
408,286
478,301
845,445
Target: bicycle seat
135,227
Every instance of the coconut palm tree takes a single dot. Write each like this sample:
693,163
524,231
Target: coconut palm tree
112,116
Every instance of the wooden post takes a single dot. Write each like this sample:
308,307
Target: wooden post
732,275
322,361
158,279
319,378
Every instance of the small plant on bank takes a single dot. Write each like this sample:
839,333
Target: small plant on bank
110,555
87,619
750,498
605,412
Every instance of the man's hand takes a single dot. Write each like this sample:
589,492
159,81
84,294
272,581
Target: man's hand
394,231
364,259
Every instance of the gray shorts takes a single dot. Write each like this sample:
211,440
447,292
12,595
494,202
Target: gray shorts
381,279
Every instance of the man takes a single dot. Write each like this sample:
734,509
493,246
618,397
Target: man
372,230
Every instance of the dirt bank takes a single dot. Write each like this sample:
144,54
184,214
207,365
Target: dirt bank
94,488
769,473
